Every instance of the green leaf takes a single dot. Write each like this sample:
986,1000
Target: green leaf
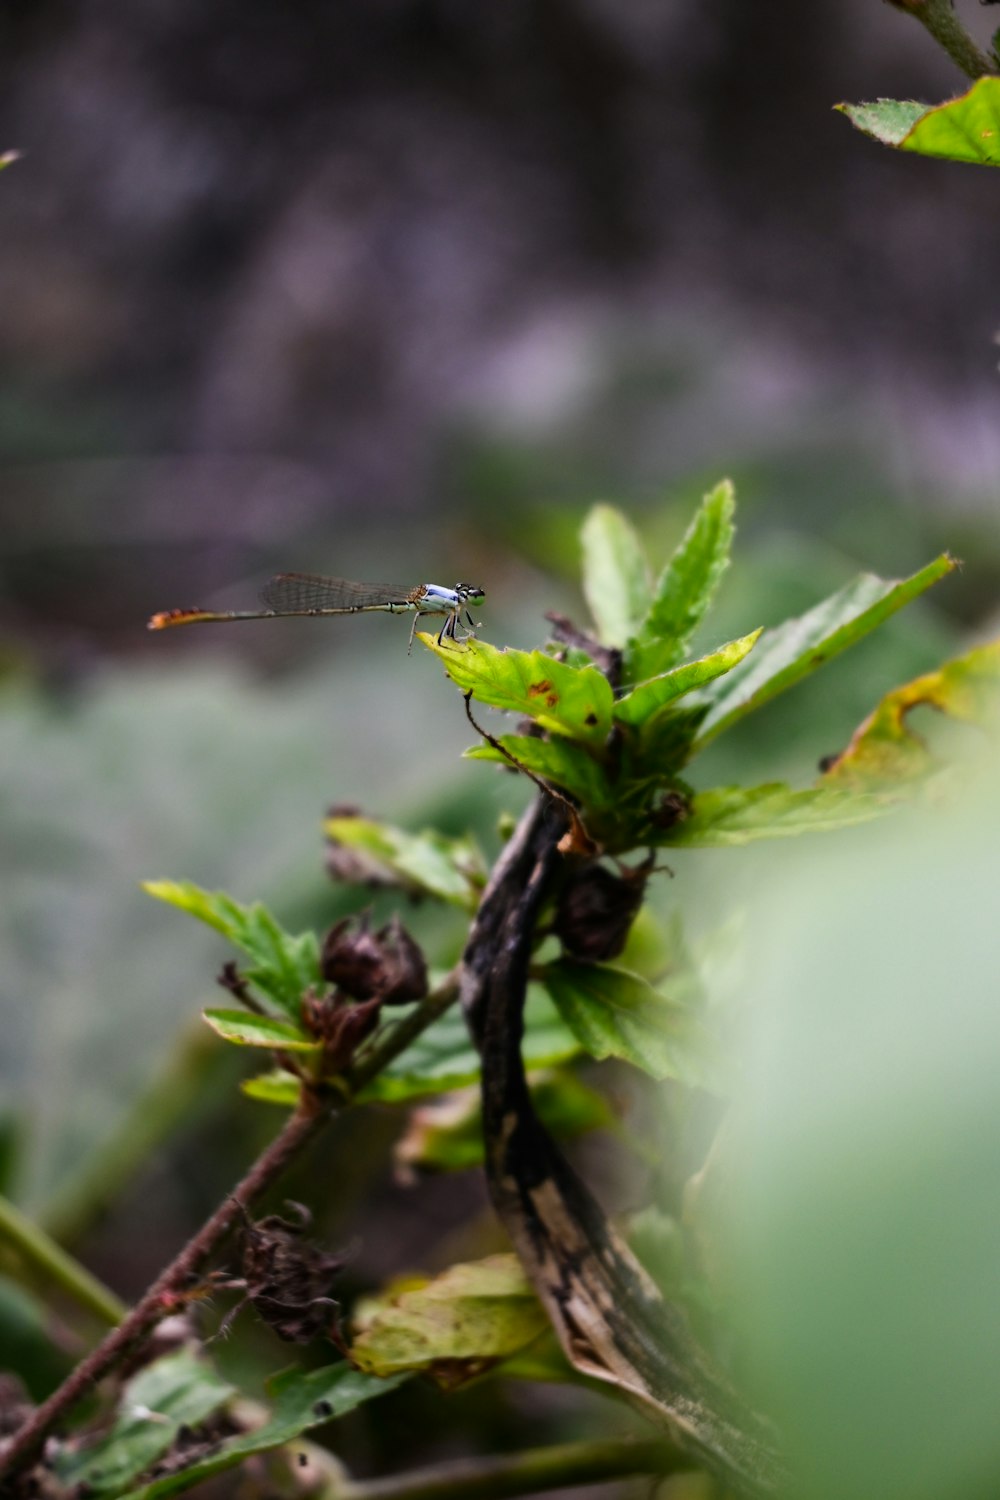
562,762
740,815
300,1399
618,1014
443,1058
615,576
179,1390
284,966
637,707
685,589
575,701
468,1317
423,864
886,754
248,1030
447,1135
668,738
790,651
965,129
276,1087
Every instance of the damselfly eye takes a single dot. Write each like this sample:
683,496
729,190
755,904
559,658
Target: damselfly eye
470,592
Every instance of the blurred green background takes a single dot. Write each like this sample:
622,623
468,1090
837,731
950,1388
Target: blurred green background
398,290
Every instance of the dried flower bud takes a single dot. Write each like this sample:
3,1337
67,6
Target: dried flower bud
596,910
341,1024
288,1278
387,965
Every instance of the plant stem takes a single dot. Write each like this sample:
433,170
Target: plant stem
939,18
35,1248
405,1031
168,1292
525,1473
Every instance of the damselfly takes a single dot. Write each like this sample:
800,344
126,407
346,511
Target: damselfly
308,594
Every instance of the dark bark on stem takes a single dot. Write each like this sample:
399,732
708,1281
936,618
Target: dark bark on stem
611,1319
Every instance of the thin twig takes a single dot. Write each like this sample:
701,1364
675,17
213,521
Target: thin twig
167,1293
527,1473
580,838
939,18
395,1041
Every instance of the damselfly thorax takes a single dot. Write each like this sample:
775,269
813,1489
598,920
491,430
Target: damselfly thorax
306,594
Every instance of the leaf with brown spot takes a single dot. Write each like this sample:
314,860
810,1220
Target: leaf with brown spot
886,752
566,700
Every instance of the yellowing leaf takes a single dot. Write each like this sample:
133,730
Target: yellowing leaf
454,1326
885,751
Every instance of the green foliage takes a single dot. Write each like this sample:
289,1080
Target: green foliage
622,757
299,1400
731,815
284,966
560,761
617,735
178,1391
641,708
443,1057
440,1060
248,1030
615,575
965,129
470,1316
886,753
447,1134
617,1014
685,589
792,651
575,701
421,864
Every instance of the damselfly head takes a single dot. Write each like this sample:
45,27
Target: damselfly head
470,593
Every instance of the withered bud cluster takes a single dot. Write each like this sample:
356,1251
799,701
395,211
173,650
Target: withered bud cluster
368,969
288,1278
385,965
596,909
